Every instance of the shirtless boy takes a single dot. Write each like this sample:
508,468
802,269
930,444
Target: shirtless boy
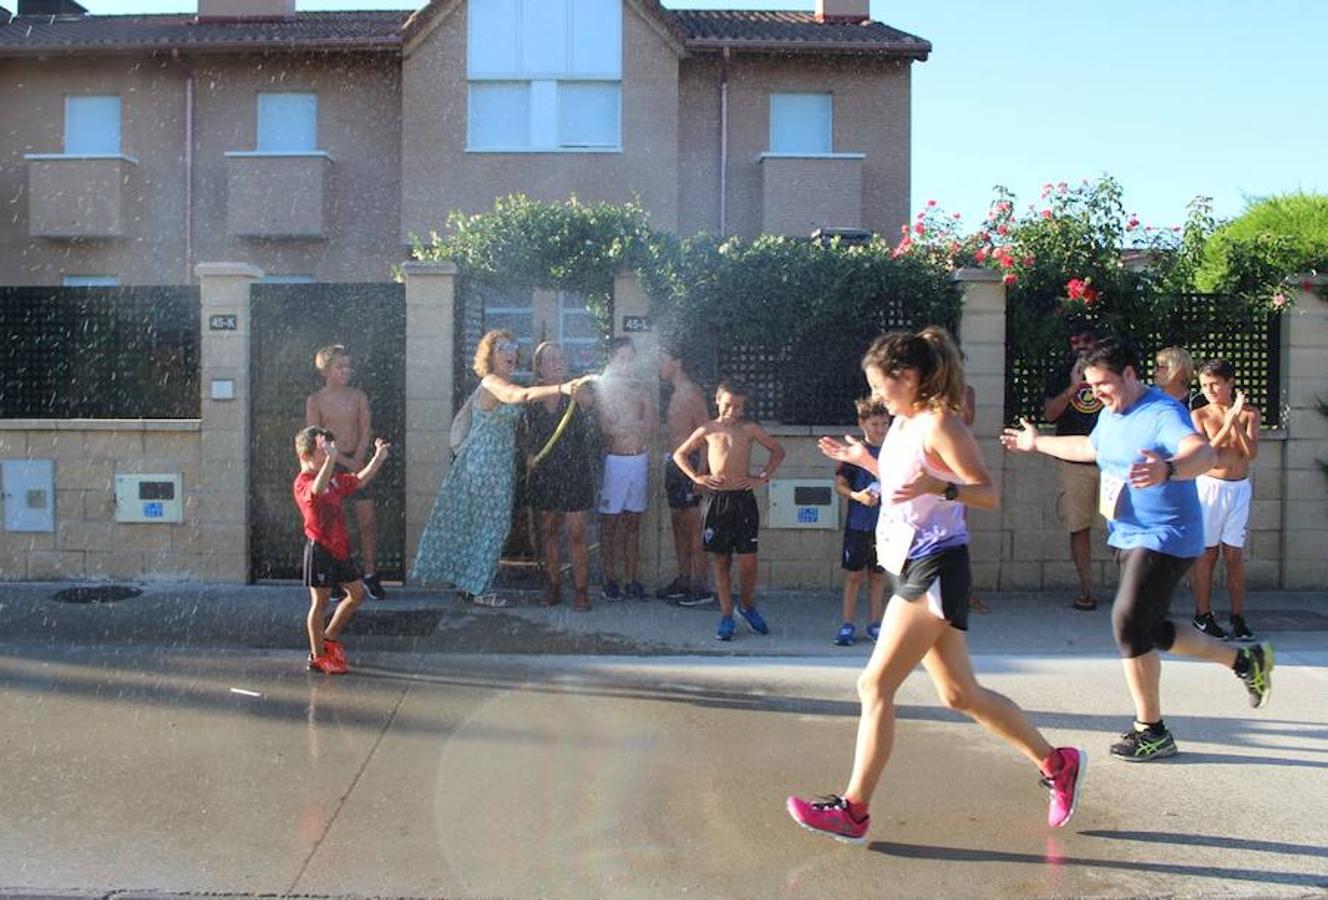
687,412
1232,428
627,422
344,411
730,520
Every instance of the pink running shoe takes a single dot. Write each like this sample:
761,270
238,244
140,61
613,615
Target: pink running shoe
828,816
335,650
1064,785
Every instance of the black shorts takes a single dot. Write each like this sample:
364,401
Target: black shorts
681,490
363,492
730,522
859,551
951,569
323,570
1148,581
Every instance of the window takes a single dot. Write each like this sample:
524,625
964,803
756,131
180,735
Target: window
92,125
91,281
801,123
287,122
579,333
545,74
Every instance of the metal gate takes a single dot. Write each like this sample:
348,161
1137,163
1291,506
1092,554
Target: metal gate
290,322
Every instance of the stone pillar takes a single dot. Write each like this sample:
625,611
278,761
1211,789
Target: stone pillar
1305,386
982,333
223,498
430,350
631,300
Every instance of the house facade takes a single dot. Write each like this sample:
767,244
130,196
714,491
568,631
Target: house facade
315,145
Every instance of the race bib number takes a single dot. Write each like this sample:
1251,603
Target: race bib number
1109,495
892,546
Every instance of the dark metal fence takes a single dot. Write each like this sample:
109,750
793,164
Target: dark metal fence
1206,325
810,378
99,352
290,322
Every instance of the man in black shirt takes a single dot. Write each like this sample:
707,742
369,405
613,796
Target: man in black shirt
1071,405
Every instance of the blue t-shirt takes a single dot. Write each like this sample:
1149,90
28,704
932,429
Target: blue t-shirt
860,518
1166,517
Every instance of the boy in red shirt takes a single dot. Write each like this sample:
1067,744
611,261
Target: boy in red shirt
319,493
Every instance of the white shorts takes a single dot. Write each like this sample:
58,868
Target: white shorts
624,486
1226,510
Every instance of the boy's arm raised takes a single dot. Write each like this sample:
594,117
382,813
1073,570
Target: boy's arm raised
329,465
375,463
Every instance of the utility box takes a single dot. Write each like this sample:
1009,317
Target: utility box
803,503
149,498
29,489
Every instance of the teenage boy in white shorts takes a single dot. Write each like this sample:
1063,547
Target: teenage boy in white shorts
626,418
1232,428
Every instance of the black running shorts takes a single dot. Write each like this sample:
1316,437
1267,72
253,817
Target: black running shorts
681,490
1148,581
950,568
323,570
730,522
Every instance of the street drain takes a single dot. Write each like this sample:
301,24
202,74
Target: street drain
101,593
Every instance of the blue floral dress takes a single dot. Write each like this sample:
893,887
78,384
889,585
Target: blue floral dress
466,531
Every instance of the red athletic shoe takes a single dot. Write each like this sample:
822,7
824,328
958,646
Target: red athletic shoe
327,664
1064,785
829,816
335,649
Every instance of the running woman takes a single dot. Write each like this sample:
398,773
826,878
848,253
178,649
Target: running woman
1149,453
930,469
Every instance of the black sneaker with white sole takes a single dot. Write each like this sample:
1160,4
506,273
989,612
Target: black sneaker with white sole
1208,625
374,588
1239,630
1141,746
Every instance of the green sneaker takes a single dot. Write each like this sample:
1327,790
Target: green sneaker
1141,746
1258,675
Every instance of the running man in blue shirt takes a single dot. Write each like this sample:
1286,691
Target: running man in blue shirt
1149,455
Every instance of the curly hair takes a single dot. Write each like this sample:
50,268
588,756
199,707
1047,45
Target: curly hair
483,364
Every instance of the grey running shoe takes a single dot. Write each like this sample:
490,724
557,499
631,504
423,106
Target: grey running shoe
1141,746
1208,625
698,598
1239,630
1258,675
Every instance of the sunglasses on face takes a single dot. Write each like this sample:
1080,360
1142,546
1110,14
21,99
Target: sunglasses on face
507,346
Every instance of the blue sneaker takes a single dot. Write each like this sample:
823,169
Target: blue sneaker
844,637
874,631
612,591
726,629
753,619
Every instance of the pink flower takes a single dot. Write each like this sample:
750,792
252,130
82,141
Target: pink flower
957,216
1029,260
920,215
1074,288
1007,262
904,230
1176,229
1008,279
1132,224
1062,187
981,254
920,228
1002,228
1279,300
1046,214
931,202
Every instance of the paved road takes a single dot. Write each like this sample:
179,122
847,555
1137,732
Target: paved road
165,745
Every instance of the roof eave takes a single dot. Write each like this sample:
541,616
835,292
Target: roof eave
919,52
350,45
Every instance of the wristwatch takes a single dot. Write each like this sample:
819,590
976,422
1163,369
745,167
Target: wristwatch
951,491
1171,469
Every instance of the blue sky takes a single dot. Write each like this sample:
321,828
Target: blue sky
1174,98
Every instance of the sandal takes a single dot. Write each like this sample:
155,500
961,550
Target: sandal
581,601
977,605
491,601
1085,603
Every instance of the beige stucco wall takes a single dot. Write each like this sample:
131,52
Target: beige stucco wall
150,249
359,119
87,541
871,116
439,175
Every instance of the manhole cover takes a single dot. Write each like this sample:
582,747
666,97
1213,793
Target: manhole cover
1287,620
102,593
387,622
